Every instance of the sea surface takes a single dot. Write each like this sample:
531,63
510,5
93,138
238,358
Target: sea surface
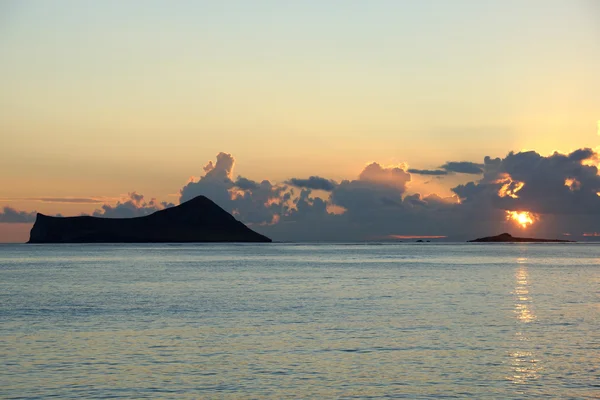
280,321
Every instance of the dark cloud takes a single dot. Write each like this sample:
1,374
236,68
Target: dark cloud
10,215
387,176
372,206
246,184
377,187
74,200
249,201
215,184
433,172
463,167
307,207
262,205
555,184
135,206
136,198
367,208
451,167
583,154
561,189
314,182
222,169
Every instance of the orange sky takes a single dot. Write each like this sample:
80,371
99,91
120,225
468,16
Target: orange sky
102,100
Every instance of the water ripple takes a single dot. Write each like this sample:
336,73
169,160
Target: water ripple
299,321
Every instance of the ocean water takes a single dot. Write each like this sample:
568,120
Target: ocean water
285,321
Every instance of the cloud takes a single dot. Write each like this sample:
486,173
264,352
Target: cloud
73,200
463,167
10,215
375,204
222,168
451,167
261,205
250,201
76,200
433,172
314,182
582,154
134,206
246,184
555,184
389,176
560,189
215,184
377,187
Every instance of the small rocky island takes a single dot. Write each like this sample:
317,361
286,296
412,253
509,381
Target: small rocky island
196,220
508,238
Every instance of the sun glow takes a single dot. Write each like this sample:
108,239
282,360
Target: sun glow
573,184
509,187
523,218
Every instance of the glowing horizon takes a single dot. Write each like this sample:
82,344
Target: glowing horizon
523,218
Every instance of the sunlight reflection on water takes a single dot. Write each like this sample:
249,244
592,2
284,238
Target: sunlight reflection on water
525,367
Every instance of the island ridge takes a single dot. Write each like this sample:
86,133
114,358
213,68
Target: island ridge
196,220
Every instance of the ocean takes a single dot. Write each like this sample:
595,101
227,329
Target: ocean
310,321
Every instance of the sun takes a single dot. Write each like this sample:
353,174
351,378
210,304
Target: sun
523,218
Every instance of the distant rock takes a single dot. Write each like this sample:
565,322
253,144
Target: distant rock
508,238
196,220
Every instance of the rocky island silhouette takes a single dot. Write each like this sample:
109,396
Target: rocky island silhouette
196,220
508,238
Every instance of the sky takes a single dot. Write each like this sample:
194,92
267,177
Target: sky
102,102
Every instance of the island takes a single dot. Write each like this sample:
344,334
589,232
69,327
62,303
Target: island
196,220
508,238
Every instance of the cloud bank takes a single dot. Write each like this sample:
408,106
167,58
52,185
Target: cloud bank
560,193
134,206
559,190
313,182
450,167
9,215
